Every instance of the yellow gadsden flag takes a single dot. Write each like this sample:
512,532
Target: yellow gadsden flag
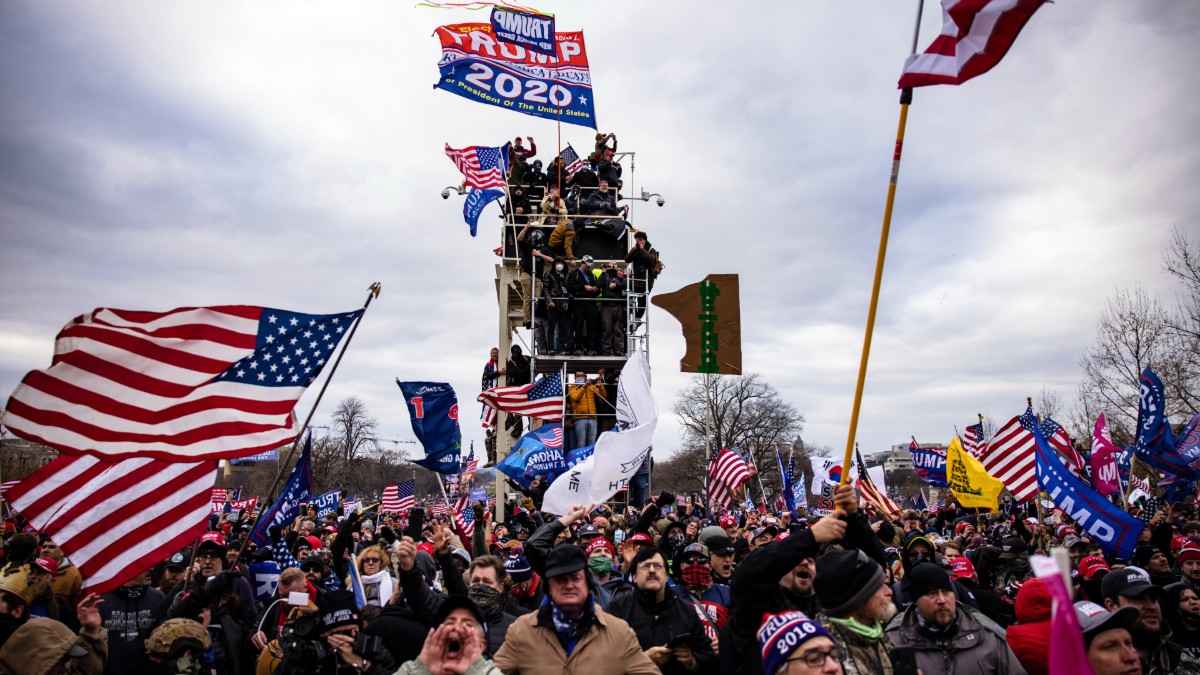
969,481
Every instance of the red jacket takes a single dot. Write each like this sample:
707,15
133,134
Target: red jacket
1029,638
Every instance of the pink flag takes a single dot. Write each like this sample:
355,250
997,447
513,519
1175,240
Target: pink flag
1067,655
1104,459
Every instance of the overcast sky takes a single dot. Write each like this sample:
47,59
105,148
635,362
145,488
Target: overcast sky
164,154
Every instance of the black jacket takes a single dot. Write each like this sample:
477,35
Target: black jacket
611,277
602,204
577,279
554,288
403,634
657,623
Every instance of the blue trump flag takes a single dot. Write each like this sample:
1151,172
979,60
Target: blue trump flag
433,409
538,452
266,580
476,201
297,491
327,503
1155,444
929,463
1115,530
531,30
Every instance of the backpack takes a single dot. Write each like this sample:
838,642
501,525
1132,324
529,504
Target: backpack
658,266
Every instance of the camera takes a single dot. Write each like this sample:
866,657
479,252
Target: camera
446,194
660,201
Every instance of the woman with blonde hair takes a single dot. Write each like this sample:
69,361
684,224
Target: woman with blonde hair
375,571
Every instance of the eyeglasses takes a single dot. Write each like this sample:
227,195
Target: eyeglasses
208,556
817,657
371,560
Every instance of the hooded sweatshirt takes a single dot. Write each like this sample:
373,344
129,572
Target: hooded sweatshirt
129,614
1028,637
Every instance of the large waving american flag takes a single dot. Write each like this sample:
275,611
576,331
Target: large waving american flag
117,519
542,399
871,494
1010,456
975,35
188,384
481,167
726,473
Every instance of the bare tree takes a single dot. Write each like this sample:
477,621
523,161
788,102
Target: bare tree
1182,261
737,410
1131,335
354,429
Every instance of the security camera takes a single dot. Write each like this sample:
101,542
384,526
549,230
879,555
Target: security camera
661,201
446,193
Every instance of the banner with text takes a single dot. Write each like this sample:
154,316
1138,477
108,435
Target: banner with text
478,66
528,29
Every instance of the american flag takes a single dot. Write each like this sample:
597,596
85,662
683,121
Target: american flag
400,497
481,167
188,384
973,439
117,519
1061,442
6,485
975,36
1010,456
542,399
219,495
726,473
464,515
438,508
875,498
570,160
489,418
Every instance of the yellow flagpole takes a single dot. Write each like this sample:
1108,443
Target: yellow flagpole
905,100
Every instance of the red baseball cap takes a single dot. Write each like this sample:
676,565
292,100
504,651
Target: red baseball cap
962,568
1189,551
47,565
1092,565
728,521
1177,542
600,542
641,539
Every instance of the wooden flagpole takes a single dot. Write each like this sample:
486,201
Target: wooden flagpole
905,100
284,465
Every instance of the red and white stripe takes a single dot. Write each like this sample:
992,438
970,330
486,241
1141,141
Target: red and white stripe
466,526
972,442
975,35
516,401
127,383
1010,457
117,519
726,473
474,175
1061,442
219,495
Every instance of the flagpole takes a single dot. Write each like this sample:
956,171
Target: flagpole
905,100
372,293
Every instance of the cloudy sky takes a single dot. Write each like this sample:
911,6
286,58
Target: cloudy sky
287,154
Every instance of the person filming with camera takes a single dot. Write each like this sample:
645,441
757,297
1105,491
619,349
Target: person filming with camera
328,641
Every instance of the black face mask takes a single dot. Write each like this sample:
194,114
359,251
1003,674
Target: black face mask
131,592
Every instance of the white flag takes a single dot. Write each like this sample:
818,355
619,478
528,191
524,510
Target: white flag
619,453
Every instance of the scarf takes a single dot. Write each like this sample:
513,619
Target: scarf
869,633
934,632
378,588
570,630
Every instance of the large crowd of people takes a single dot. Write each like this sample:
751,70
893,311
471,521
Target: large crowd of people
667,587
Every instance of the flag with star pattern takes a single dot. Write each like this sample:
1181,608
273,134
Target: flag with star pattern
184,385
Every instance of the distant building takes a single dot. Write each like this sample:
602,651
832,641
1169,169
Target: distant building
19,457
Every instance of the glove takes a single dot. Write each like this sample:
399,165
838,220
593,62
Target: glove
527,503
664,500
478,508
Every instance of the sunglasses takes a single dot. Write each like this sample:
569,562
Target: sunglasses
371,560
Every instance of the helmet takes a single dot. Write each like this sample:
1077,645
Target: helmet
14,582
536,237
173,635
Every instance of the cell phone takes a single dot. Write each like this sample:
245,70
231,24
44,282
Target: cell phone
904,661
416,522
685,639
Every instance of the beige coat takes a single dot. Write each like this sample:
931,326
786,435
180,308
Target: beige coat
40,644
609,647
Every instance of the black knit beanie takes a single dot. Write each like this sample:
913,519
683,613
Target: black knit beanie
886,533
845,581
927,577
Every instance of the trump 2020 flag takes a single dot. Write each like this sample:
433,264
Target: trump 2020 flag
1155,443
1115,530
433,409
327,503
297,491
185,385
